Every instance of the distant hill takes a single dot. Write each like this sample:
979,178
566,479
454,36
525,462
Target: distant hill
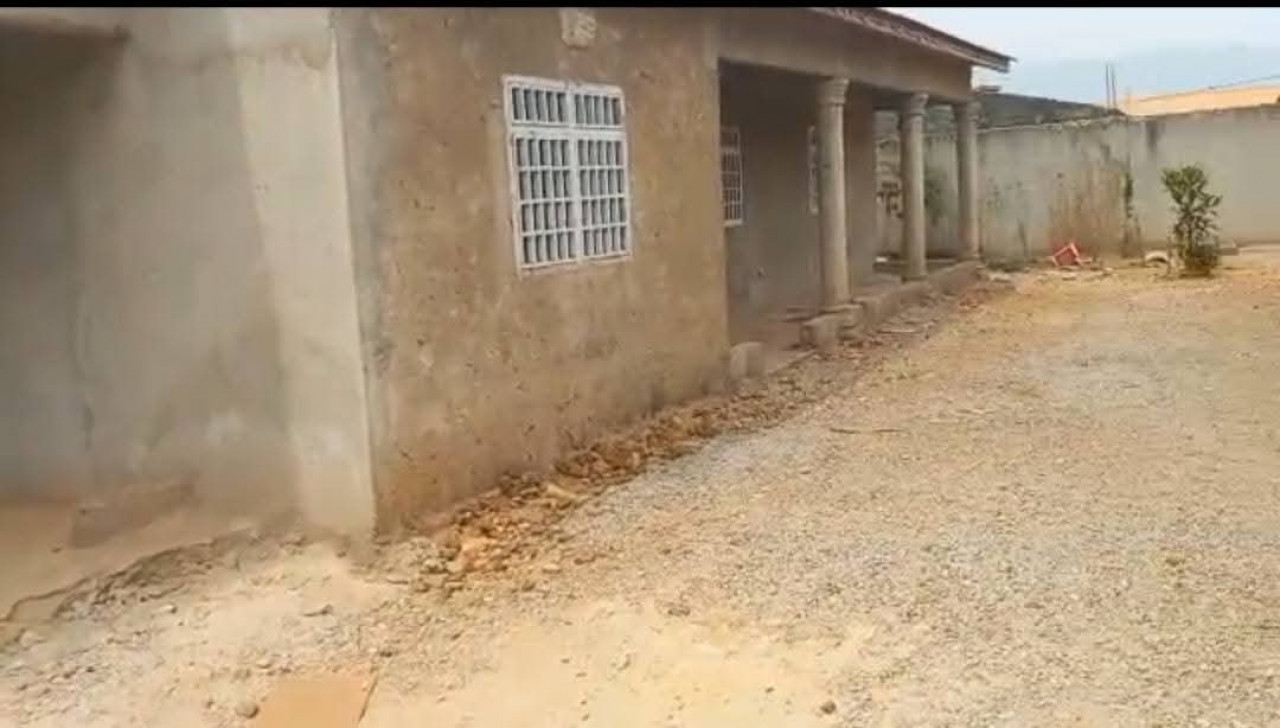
1142,74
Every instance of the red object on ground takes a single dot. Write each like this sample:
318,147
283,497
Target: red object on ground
1068,254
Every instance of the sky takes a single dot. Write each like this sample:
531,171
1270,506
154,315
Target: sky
1061,52
1079,33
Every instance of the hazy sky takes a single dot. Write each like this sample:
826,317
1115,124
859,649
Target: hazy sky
1071,33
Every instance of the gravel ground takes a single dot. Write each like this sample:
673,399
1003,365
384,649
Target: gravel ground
1060,508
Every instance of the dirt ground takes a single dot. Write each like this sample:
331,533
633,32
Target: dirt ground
1060,507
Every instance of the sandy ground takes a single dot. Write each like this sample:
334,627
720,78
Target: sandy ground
1060,508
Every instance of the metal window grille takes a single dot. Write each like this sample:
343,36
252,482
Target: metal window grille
568,156
731,174
813,171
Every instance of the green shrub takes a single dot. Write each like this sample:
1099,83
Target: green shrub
1194,233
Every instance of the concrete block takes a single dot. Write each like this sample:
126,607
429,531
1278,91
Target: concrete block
912,293
746,360
954,278
822,332
851,322
877,307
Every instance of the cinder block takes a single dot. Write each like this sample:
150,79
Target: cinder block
746,360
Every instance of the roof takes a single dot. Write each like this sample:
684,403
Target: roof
902,28
1204,99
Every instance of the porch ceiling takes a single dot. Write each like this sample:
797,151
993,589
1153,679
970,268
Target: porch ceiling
905,29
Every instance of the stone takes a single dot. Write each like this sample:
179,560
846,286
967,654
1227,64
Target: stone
29,638
551,567
246,709
679,609
168,609
828,707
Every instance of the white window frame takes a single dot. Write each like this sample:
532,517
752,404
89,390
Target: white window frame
732,179
619,239
813,170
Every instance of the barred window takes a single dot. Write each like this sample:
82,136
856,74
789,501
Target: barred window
568,157
731,174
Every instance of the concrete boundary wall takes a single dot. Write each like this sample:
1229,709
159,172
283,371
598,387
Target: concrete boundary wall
1045,185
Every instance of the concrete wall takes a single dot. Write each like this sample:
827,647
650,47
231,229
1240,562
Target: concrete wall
942,237
1045,185
41,416
187,198
475,369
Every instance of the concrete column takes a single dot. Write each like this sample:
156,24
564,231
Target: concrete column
967,177
912,171
831,200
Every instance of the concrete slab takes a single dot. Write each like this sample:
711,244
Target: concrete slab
317,701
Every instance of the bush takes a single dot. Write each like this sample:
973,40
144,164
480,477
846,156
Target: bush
1194,234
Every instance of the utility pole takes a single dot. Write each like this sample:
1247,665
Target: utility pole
1109,92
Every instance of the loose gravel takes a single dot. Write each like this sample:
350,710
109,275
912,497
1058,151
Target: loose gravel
1059,508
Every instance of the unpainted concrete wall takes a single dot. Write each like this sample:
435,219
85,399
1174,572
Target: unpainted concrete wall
942,238
1043,186
475,369
182,214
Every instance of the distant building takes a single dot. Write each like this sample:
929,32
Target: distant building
1201,100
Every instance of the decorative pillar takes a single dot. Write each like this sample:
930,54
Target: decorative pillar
912,171
831,200
967,177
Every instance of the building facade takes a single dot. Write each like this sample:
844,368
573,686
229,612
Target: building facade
357,263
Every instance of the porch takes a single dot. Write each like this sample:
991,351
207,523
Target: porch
799,174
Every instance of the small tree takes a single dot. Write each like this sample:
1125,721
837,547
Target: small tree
1194,234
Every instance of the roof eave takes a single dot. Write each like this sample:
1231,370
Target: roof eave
911,31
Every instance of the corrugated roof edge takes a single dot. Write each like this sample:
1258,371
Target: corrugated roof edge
903,28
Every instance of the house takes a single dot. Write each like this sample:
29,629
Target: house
354,264
1210,99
